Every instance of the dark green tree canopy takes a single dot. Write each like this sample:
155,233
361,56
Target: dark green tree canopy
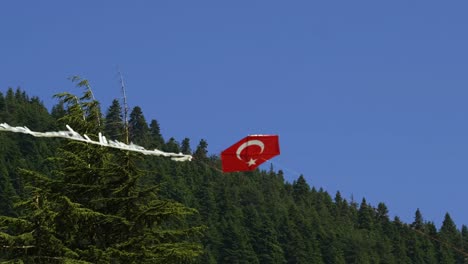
91,207
114,127
138,128
157,140
68,202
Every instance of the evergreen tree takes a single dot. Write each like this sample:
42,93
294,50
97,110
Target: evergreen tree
450,238
172,146
157,140
7,192
365,215
464,237
418,220
58,111
235,245
2,103
448,230
382,214
10,107
427,244
185,146
114,124
300,189
92,209
201,152
89,204
138,128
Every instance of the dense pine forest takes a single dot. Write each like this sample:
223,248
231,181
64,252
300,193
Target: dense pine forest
63,201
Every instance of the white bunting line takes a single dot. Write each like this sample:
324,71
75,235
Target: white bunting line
73,135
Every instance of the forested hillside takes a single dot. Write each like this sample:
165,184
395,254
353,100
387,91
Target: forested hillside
68,202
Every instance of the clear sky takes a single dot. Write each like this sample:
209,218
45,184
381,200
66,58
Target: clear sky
368,97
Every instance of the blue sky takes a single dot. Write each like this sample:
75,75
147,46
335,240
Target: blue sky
368,97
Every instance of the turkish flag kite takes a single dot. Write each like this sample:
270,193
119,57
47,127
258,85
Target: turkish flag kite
250,152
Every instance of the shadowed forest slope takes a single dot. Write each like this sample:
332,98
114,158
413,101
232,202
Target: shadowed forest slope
148,208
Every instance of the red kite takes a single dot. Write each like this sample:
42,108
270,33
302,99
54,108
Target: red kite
250,152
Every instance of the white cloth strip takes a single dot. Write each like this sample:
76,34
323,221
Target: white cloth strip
73,135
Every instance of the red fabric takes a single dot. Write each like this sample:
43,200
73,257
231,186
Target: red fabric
249,153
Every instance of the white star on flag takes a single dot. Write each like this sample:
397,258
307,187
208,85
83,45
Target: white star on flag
252,162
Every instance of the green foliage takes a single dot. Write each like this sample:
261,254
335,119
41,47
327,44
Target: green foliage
201,152
139,130
21,151
92,207
78,203
114,127
157,140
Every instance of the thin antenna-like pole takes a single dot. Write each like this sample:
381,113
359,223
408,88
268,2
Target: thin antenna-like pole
122,84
